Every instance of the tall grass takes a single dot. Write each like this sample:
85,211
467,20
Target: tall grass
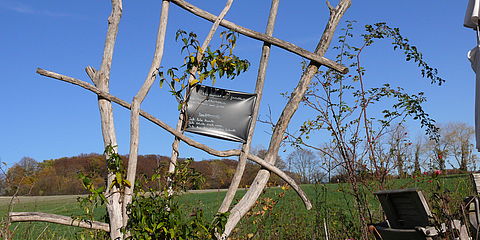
279,213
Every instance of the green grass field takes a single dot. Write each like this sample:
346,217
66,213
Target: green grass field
286,219
67,205
63,205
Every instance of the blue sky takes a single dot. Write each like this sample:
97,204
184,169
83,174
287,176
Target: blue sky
46,119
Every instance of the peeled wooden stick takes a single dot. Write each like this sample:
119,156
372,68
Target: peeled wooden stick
135,107
262,72
101,79
59,219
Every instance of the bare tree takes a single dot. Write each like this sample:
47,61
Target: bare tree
305,164
418,154
399,148
439,150
3,178
454,147
460,136
327,162
29,164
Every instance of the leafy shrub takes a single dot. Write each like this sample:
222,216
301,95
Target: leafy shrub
158,215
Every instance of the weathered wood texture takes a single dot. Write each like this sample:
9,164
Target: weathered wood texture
59,219
262,177
193,71
101,79
135,107
190,142
263,37
262,72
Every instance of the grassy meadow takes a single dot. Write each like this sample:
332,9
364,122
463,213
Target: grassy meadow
63,205
279,213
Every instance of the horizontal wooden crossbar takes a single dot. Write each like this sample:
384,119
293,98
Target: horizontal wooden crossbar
263,37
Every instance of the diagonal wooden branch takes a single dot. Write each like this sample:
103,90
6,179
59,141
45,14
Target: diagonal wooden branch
91,74
135,107
193,71
209,37
260,181
59,219
262,72
187,140
263,37
270,167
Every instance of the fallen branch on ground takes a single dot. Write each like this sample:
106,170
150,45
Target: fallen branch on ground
59,219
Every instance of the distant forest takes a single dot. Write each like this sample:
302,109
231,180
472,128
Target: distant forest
399,154
60,176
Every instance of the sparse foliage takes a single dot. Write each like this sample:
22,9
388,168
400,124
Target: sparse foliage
115,166
343,106
221,62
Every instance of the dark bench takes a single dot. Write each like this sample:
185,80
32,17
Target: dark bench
408,217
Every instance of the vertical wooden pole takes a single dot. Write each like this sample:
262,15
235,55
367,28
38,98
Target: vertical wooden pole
262,72
101,79
135,109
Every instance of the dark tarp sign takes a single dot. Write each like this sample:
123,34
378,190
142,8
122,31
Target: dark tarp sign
219,113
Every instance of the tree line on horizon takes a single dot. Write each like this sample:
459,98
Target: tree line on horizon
61,176
399,155
402,154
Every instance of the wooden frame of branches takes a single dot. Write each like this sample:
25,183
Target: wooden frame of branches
117,200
